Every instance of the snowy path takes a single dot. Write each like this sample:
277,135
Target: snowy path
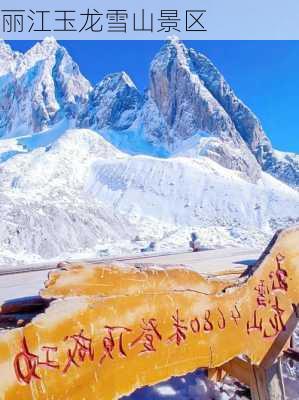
21,284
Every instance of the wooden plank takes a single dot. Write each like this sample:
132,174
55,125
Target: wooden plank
239,369
24,305
216,374
267,378
136,327
109,280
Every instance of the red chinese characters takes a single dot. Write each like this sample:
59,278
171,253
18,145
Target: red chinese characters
276,322
180,329
26,363
256,324
114,334
235,315
149,334
81,350
267,298
262,291
279,277
270,326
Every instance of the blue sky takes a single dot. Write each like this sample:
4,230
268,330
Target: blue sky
264,74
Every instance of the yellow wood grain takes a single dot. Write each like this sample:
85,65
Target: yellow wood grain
195,326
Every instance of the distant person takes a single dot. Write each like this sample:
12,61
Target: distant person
150,247
194,242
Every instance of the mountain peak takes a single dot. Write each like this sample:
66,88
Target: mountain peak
50,43
4,45
116,81
125,77
113,103
188,100
173,40
174,50
45,87
50,39
45,48
8,58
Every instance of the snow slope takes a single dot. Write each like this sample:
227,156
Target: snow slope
184,191
72,193
44,210
184,155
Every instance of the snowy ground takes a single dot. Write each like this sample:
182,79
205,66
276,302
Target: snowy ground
72,194
196,386
193,386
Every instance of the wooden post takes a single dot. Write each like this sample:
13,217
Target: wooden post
266,380
267,384
239,369
216,374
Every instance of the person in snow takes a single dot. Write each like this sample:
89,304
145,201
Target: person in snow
194,242
150,247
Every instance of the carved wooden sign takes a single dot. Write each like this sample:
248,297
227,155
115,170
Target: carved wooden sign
113,329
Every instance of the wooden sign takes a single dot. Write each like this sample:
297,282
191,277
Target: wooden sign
114,329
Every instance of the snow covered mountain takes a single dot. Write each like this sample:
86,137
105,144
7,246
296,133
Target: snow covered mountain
225,117
113,103
38,88
176,107
8,58
85,170
187,99
189,108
